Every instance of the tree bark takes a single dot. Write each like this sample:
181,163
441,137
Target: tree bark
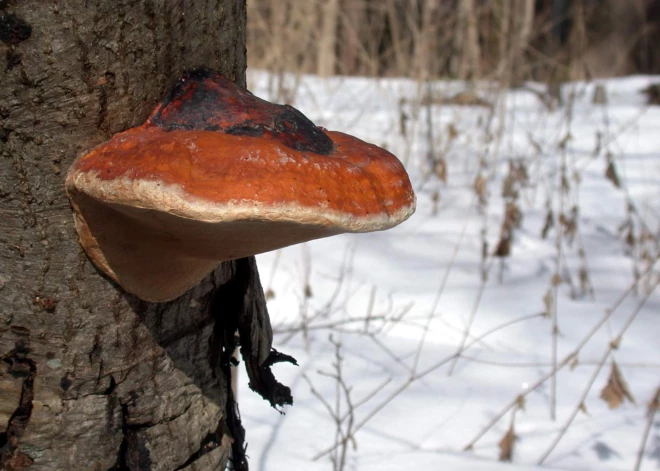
92,378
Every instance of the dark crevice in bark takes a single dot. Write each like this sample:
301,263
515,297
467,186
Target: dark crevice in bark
105,84
19,366
133,453
210,443
13,58
83,55
121,464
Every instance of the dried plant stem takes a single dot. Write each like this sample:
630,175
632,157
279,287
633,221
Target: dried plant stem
516,401
578,407
370,309
329,325
468,327
555,327
438,295
273,271
560,365
610,346
653,408
559,243
415,377
344,419
306,293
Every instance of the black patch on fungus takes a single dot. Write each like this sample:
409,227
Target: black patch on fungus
203,100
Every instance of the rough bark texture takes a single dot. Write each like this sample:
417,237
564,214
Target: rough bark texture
92,378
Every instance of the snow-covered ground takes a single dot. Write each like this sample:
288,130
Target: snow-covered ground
436,341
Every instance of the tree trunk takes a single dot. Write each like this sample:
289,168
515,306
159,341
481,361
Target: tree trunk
92,378
328,39
351,48
466,42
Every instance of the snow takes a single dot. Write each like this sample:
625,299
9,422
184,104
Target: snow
401,303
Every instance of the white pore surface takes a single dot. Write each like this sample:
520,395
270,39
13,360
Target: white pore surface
422,281
173,199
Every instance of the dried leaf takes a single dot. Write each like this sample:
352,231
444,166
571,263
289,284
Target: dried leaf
403,118
654,404
577,178
583,408
452,132
616,389
564,142
646,255
435,199
509,187
504,245
548,302
520,402
549,224
575,362
570,224
506,444
522,175
630,237
440,170
479,186
565,184
512,216
611,174
599,143
585,281
652,93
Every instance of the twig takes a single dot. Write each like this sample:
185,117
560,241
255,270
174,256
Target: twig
438,294
611,346
654,404
560,365
468,327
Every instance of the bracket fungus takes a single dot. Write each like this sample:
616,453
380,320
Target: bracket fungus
217,174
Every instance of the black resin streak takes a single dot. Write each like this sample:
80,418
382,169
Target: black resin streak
204,100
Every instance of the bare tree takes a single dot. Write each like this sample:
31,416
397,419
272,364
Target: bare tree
327,42
467,41
91,377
